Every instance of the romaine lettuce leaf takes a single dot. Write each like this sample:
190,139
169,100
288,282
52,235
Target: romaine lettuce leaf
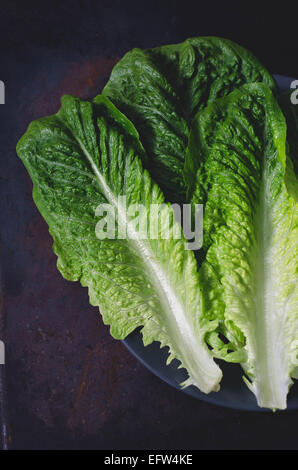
89,154
249,262
210,134
160,90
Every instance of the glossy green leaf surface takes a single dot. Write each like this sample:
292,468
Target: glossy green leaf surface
89,154
249,264
161,90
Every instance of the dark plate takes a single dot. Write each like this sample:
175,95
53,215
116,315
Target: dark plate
233,393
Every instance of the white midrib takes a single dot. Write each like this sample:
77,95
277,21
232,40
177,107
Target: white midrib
203,371
271,382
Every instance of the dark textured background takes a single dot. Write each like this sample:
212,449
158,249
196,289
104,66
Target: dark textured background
70,385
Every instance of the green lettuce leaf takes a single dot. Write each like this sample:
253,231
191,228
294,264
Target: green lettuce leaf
89,154
160,90
249,262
